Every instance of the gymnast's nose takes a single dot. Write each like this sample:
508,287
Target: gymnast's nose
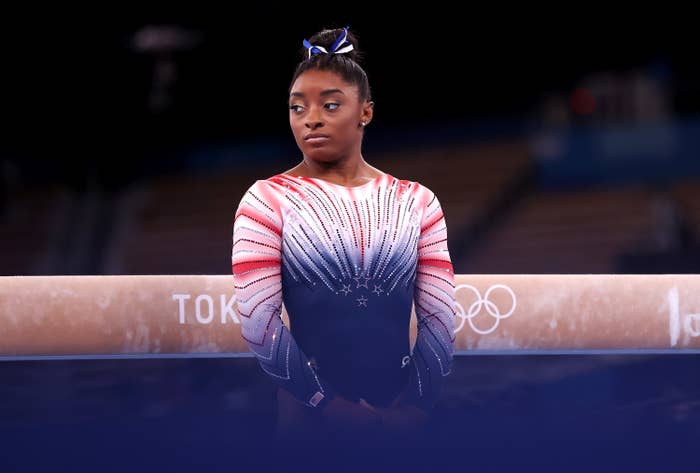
313,119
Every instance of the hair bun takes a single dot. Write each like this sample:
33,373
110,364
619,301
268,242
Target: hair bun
327,38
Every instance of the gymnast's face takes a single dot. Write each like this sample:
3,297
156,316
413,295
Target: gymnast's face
325,114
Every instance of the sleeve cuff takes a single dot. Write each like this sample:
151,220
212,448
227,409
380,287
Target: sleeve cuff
323,396
321,399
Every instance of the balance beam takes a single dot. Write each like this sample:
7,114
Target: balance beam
45,316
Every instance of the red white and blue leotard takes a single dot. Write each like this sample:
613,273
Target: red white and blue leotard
348,263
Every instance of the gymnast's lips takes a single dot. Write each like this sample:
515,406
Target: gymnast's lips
316,138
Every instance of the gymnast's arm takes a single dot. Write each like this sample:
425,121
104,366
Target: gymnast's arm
256,258
434,300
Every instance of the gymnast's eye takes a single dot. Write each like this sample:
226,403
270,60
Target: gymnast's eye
332,106
296,108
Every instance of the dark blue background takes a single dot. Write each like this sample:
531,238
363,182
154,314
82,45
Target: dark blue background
633,412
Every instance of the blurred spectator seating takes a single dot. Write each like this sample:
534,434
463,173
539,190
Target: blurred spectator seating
33,228
687,194
579,231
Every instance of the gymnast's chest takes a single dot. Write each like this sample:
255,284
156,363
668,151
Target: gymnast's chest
321,222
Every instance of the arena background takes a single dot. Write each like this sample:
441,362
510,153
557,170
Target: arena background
557,142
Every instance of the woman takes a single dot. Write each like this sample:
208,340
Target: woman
348,249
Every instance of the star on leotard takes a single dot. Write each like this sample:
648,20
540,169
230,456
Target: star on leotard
362,301
346,289
377,289
363,284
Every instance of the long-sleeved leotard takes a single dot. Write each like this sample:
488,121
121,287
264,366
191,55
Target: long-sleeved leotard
348,263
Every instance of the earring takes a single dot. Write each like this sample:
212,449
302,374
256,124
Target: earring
363,123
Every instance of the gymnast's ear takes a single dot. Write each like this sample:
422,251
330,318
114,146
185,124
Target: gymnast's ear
367,113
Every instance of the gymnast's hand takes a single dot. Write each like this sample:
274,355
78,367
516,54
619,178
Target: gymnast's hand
355,415
402,417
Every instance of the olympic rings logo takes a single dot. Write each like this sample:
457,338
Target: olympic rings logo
479,303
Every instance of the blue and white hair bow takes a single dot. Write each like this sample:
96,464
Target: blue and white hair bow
340,45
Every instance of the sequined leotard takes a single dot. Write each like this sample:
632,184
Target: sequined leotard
348,263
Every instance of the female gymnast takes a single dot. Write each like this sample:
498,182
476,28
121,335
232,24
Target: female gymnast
347,249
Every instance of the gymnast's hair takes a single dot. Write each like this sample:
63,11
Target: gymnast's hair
346,65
